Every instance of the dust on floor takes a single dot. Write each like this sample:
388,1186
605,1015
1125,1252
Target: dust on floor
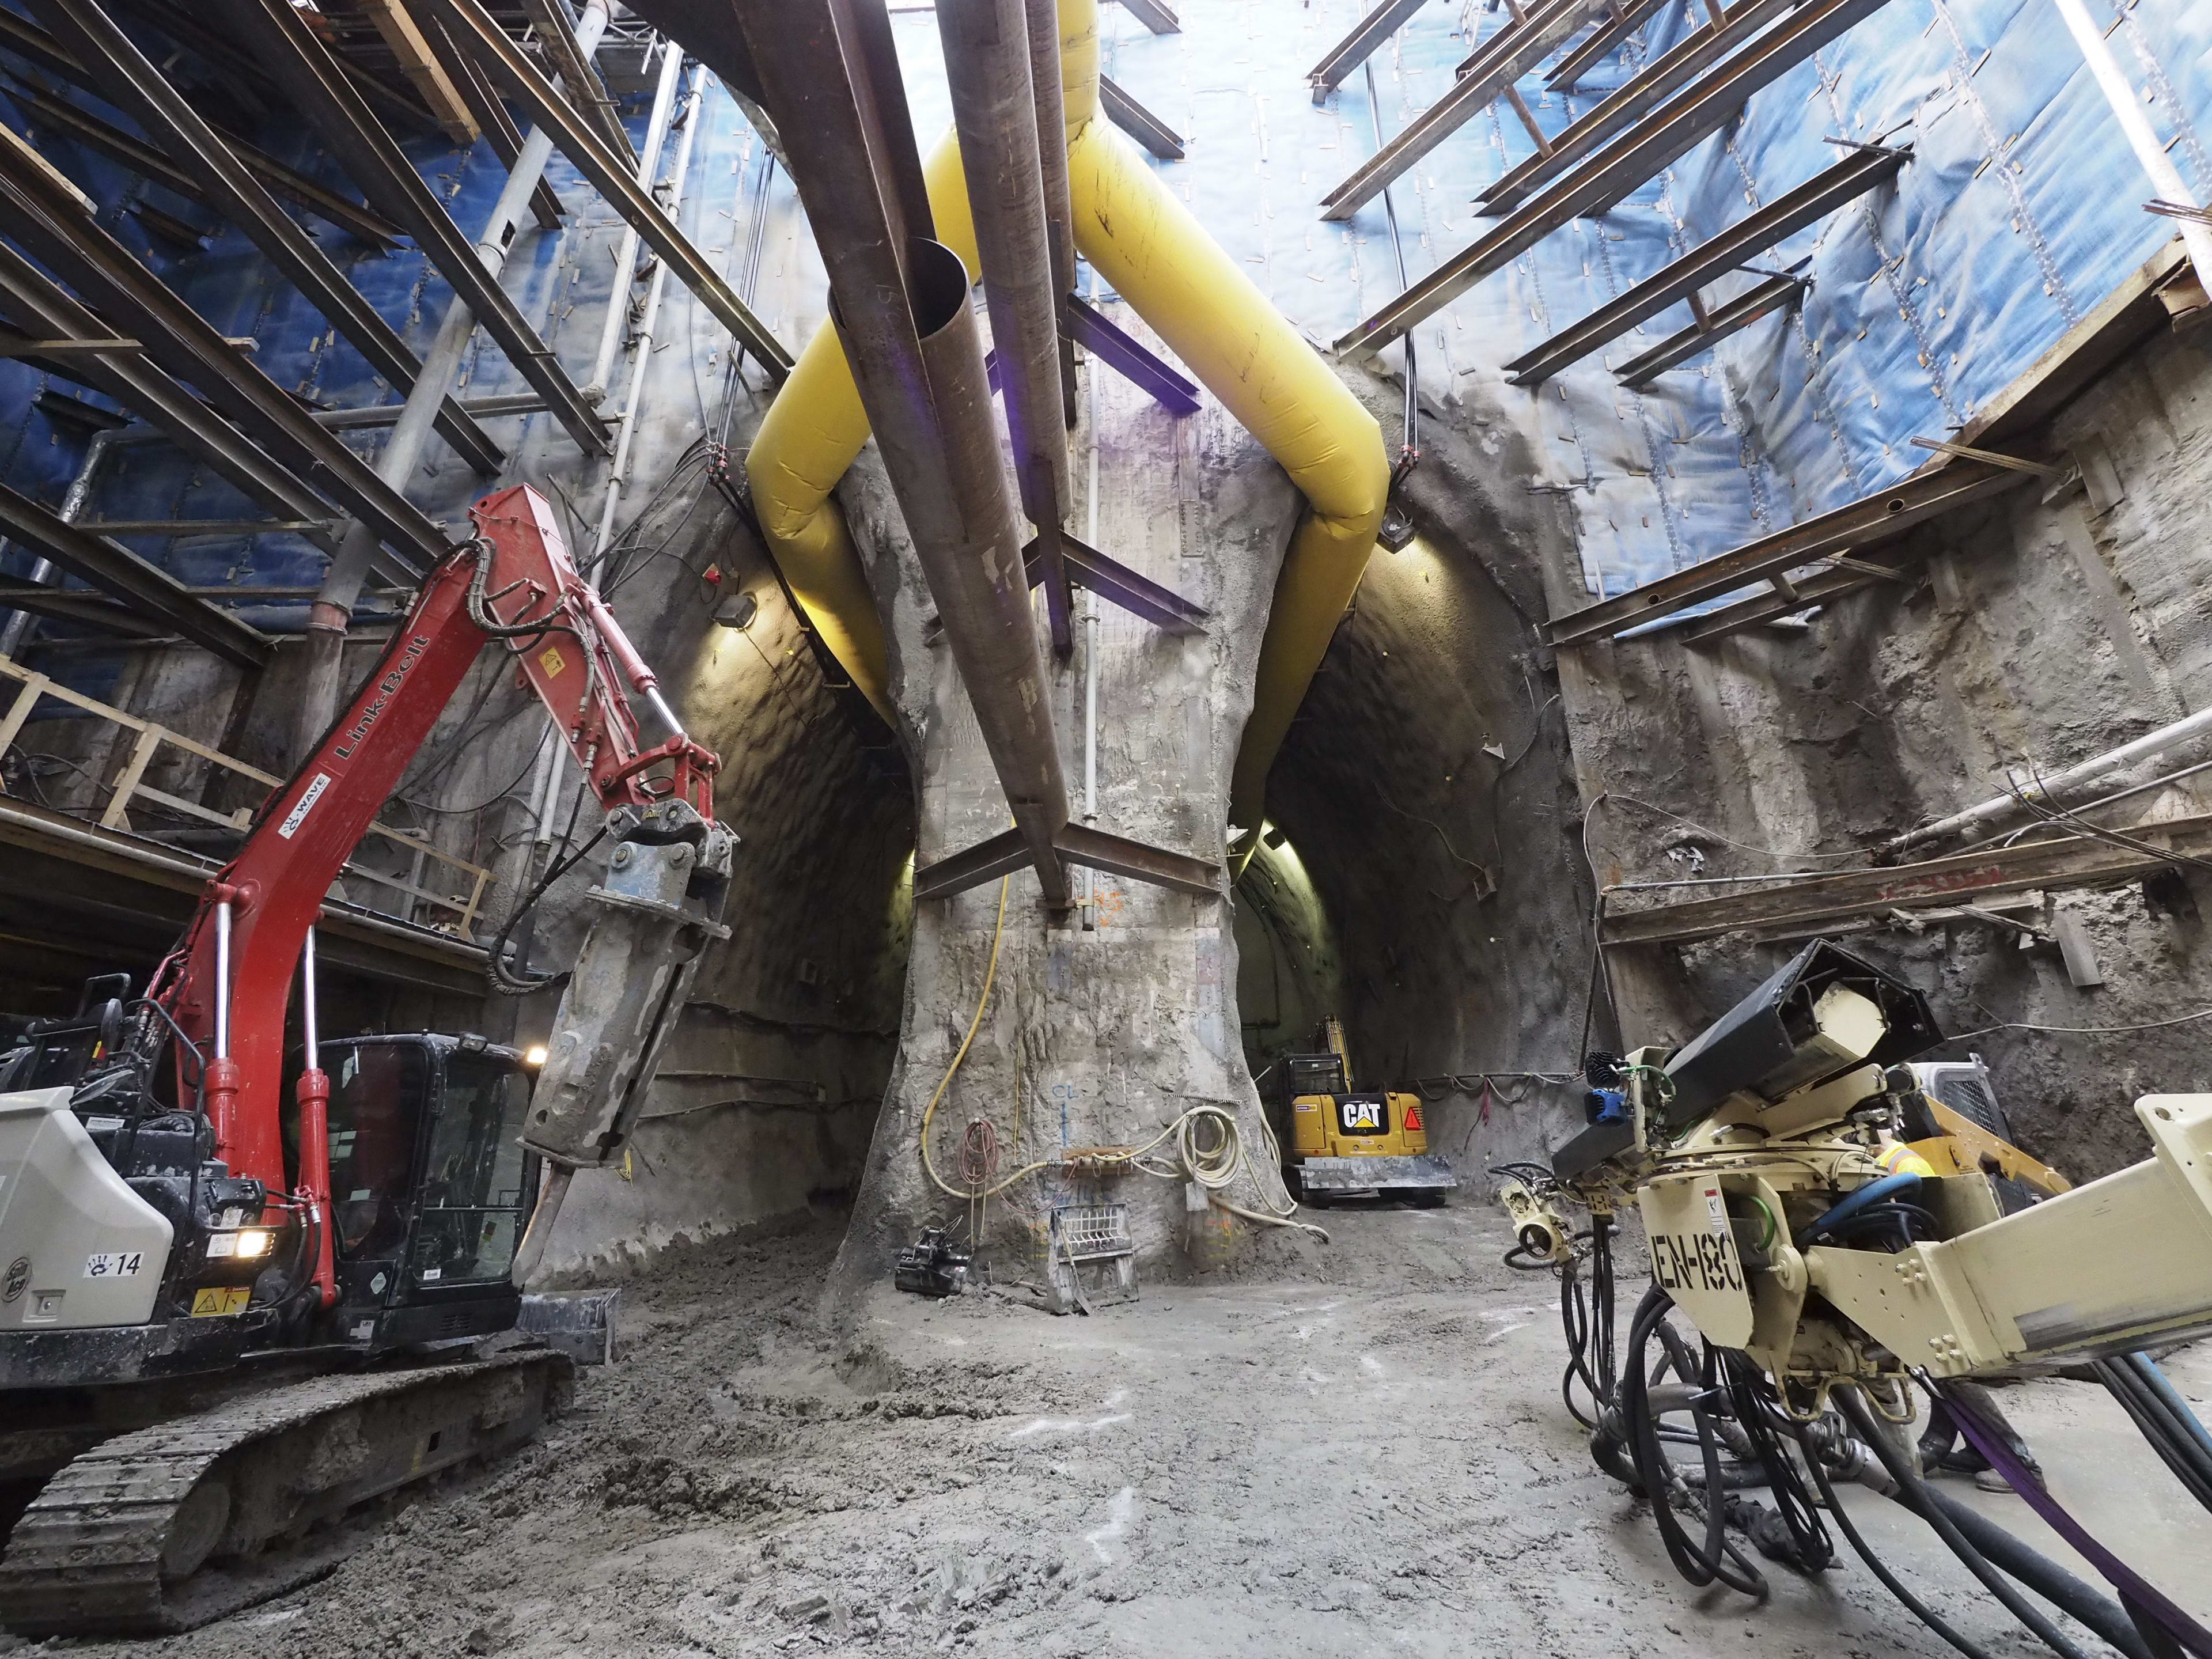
1364,1453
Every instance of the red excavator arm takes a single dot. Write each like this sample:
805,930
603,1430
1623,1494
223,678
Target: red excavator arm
229,981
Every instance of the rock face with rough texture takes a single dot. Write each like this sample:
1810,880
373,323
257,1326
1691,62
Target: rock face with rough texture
1101,1027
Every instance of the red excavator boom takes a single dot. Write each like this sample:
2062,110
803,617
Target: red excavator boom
228,984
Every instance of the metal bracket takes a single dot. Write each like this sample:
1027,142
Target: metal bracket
1091,329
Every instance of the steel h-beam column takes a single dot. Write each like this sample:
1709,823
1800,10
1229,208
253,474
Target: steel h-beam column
302,65
472,29
139,90
1862,170
114,569
1505,58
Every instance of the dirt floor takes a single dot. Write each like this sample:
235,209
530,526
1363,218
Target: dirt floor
1364,1453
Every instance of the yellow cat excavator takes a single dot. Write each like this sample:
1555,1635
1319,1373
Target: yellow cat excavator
1346,1143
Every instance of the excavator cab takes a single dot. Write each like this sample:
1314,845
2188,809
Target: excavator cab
431,1185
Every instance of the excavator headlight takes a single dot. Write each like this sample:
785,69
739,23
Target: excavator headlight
254,1241
534,1056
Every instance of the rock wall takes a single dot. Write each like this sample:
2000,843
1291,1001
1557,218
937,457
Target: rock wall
2039,632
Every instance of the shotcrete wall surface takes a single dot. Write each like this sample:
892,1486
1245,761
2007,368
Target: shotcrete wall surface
1099,1037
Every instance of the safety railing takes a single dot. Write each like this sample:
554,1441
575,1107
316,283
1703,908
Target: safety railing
456,910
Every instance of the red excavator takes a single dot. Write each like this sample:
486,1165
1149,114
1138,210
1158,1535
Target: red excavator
231,1311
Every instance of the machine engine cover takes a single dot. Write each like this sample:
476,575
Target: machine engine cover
1771,1042
77,1246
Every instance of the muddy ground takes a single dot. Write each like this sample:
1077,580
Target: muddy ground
1361,1452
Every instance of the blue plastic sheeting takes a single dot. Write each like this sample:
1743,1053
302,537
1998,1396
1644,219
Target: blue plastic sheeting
2020,209
560,280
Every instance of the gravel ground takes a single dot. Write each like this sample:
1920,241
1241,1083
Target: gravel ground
1353,1449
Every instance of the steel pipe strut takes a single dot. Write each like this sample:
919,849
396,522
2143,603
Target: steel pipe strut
986,62
1142,240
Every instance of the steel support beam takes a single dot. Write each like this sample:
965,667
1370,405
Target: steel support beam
31,296
1112,581
53,229
1808,902
1618,168
1504,58
497,126
135,86
1860,171
66,120
1348,54
579,78
115,569
1823,586
1651,85
1103,338
1627,17
302,65
1865,523
1155,14
1079,843
472,29
1730,317
1139,123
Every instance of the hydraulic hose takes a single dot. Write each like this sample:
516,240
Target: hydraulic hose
2164,1419
2078,1601
1874,1192
1915,1497
1913,1604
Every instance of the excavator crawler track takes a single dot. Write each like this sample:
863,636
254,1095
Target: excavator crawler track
167,1529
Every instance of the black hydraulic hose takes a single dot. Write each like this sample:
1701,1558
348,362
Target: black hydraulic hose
1698,1566
2164,1419
1913,1604
2080,1601
1916,1495
504,979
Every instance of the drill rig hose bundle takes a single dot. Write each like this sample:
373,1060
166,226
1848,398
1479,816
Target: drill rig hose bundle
1848,1232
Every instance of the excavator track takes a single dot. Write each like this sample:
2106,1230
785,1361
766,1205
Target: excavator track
167,1529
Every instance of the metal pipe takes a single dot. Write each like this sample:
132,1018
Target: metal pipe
1043,18
918,369
2044,789
73,505
633,398
995,108
977,579
308,1028
222,980
2127,110
649,169
1091,651
410,433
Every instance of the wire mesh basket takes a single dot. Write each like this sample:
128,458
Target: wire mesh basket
1094,1259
